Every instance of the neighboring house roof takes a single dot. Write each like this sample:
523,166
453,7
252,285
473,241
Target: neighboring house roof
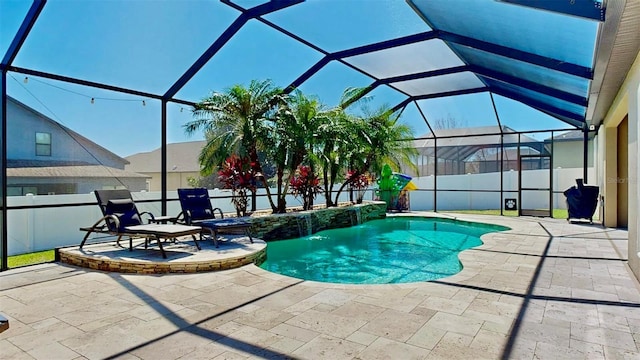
464,131
573,135
25,163
181,157
466,137
90,171
470,139
85,142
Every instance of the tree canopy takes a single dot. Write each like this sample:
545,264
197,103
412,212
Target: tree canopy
294,130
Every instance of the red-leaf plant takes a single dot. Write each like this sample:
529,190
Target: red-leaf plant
359,182
306,184
238,175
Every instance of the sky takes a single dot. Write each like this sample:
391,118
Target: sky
147,45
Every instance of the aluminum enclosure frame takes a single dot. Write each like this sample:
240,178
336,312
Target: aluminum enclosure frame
257,13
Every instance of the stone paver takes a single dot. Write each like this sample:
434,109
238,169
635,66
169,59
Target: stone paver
328,347
511,300
382,349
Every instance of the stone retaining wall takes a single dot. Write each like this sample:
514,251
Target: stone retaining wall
293,225
140,267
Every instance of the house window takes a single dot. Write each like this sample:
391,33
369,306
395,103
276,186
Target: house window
43,144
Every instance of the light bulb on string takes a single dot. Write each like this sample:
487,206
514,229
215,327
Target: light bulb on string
25,80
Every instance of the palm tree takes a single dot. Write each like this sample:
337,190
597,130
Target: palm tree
294,129
293,138
334,143
379,139
235,122
390,142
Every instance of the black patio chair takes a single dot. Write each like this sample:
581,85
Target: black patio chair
122,218
197,210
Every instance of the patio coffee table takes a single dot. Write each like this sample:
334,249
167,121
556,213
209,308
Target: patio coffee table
163,231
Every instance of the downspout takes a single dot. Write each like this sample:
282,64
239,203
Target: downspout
585,153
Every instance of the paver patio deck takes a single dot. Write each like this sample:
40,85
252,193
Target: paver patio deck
544,289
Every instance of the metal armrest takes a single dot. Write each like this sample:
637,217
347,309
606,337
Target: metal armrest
97,227
219,210
148,213
181,218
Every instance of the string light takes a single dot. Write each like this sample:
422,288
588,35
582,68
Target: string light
93,98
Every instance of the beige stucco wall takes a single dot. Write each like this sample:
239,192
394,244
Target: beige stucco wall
568,154
175,180
627,102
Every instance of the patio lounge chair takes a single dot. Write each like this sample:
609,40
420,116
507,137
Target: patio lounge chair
197,210
122,218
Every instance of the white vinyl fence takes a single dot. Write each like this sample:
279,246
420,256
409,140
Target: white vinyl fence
464,199
32,230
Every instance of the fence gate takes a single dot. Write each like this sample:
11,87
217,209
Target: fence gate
535,185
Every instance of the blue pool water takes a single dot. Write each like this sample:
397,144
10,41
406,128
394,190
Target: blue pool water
391,250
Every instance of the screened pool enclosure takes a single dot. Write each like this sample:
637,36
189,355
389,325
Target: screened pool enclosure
503,96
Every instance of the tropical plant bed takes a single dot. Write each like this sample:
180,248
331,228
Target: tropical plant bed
262,136
292,209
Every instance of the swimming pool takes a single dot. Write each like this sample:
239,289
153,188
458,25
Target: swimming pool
386,251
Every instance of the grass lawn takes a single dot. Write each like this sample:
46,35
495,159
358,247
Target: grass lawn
557,213
31,258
